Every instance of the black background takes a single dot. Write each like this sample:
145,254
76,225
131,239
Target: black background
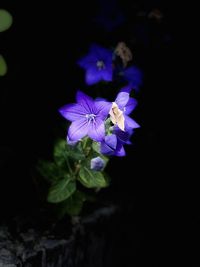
161,214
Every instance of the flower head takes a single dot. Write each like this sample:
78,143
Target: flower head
87,117
112,145
134,76
98,65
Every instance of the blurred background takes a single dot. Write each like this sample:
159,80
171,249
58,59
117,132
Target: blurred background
41,50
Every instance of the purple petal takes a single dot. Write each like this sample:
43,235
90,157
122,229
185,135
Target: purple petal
122,99
130,123
86,102
96,130
123,136
72,112
70,142
120,152
101,52
130,106
92,76
97,164
107,73
134,76
87,61
126,89
78,129
103,108
109,145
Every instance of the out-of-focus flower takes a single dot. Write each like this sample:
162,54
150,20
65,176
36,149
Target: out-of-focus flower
110,15
124,53
97,64
155,14
97,164
87,117
133,76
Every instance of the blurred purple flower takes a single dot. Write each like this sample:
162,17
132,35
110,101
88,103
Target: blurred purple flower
97,164
87,117
97,64
133,76
110,15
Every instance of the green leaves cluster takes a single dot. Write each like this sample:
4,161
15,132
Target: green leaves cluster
69,169
5,23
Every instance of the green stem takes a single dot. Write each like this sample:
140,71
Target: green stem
68,165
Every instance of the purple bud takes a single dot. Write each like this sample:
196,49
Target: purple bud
97,164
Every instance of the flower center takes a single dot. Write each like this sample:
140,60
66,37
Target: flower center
90,117
100,65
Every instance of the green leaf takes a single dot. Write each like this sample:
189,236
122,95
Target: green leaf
62,150
73,205
59,152
50,171
92,179
96,147
75,152
5,20
3,66
61,190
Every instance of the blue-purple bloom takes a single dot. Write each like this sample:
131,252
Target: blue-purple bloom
97,64
97,164
87,117
112,145
133,76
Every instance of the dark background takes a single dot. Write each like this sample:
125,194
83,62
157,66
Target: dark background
160,210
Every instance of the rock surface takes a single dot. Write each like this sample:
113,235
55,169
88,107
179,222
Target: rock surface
83,246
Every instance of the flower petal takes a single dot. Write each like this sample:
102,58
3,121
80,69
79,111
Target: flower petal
86,102
109,145
134,76
130,106
78,129
103,108
87,61
130,123
126,89
123,136
107,73
120,152
93,75
72,112
102,53
96,130
122,99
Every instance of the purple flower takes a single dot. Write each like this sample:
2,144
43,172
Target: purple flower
87,117
111,146
98,65
121,109
97,164
134,76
